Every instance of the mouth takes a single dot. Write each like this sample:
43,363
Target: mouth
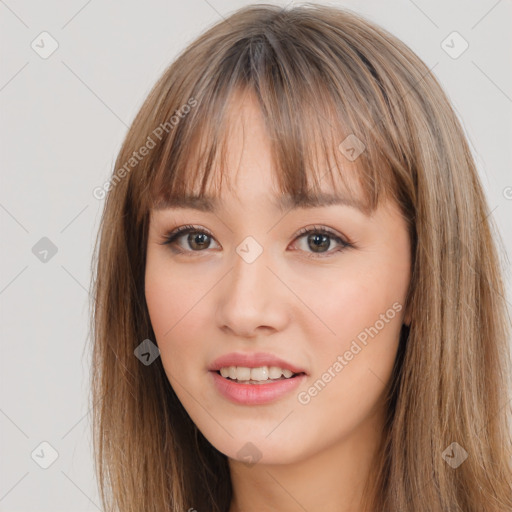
252,378
257,376
265,389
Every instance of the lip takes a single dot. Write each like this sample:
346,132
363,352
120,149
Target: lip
254,394
253,360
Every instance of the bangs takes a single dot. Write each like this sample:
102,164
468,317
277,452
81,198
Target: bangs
325,111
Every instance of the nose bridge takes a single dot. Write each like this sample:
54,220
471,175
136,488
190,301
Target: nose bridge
250,297
249,284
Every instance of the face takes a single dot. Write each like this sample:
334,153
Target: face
317,290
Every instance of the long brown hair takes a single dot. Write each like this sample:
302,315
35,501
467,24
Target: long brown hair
321,74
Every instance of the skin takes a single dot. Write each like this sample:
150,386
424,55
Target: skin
209,301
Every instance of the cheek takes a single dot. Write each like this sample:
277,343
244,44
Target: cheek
176,309
339,309
361,312
171,292
350,370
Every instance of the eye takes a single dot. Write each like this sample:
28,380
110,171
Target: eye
197,239
319,240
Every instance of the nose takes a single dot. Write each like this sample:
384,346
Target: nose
252,300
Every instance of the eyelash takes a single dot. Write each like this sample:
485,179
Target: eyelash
171,237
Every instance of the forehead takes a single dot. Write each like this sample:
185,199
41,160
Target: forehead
297,167
248,136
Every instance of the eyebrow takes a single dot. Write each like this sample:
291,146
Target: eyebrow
284,202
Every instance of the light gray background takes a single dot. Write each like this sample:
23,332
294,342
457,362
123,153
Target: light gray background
63,120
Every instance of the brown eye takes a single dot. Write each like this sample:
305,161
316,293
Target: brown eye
196,240
319,240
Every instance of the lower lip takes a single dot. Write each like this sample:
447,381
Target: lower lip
254,394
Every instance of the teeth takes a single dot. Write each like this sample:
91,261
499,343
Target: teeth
258,374
274,372
243,373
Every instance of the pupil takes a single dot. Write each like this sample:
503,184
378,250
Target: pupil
319,241
198,239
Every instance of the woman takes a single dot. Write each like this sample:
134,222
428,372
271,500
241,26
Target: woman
298,299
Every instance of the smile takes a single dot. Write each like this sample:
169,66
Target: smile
251,391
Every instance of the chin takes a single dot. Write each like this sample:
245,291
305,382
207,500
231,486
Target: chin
258,448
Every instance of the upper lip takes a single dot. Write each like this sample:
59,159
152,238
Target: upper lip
252,360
